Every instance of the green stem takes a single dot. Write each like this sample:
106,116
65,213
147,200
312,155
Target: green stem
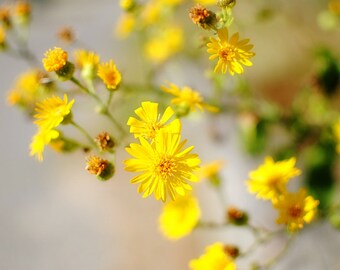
105,109
90,139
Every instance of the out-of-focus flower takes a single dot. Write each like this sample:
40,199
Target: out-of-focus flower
88,62
165,166
55,59
151,13
269,180
334,6
164,45
52,111
5,16
66,34
2,38
295,209
206,2
40,140
211,172
231,53
150,123
109,74
125,25
215,258
29,88
127,4
237,216
179,217
22,12
187,99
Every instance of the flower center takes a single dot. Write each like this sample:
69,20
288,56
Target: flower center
153,128
166,167
227,53
295,211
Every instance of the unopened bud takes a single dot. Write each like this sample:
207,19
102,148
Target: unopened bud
231,250
237,216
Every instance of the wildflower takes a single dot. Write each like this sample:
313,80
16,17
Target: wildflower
215,258
203,17
105,141
179,217
55,59
165,166
125,25
28,89
295,209
269,180
336,132
110,75
151,123
40,140
230,53
88,62
53,111
66,34
164,45
210,170
22,12
187,99
102,168
151,13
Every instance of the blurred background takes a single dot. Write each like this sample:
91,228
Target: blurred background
54,215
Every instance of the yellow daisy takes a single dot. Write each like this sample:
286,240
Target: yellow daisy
187,98
165,166
151,123
52,111
55,59
231,53
269,180
109,74
40,140
295,209
179,217
215,258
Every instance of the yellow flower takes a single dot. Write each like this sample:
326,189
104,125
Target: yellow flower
164,45
151,13
295,209
215,258
126,4
151,123
165,166
210,170
52,111
187,98
336,132
269,180
231,54
179,217
28,89
86,58
125,25
110,75
40,140
55,59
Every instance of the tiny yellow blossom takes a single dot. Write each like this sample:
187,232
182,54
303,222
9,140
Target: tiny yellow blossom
125,25
151,123
40,140
52,111
295,209
151,13
215,258
55,59
269,180
179,217
165,167
187,98
231,53
84,58
210,170
109,74
164,45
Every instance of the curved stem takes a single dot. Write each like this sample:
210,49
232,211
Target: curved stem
90,139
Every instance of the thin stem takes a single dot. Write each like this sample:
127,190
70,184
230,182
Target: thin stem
90,139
